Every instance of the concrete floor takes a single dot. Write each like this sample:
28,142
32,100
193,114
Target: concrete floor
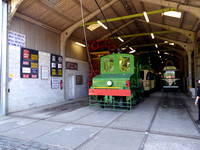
164,121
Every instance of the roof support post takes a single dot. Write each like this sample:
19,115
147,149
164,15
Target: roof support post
189,69
3,56
196,65
14,6
66,34
191,9
190,48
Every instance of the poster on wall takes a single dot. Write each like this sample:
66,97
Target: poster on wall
55,83
71,65
45,72
56,65
79,79
28,63
16,39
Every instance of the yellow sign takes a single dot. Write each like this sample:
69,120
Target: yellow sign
53,72
11,75
34,65
34,57
60,72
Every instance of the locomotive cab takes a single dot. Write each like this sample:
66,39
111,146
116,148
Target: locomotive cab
114,86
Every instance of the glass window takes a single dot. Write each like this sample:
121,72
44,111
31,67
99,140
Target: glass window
108,65
124,63
142,75
152,76
170,74
148,76
163,75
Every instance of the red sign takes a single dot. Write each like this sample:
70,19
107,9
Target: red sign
26,63
34,76
25,75
26,54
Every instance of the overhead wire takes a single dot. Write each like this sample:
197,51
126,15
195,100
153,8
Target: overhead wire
106,22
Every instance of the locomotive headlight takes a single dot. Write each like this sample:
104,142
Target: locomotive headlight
109,83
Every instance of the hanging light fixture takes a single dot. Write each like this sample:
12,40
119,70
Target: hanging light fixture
152,35
121,39
174,14
80,44
146,16
99,22
133,51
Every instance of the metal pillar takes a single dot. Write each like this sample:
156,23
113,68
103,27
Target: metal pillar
3,56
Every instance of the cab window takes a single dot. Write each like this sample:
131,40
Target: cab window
163,75
152,76
124,63
142,75
170,74
148,76
108,64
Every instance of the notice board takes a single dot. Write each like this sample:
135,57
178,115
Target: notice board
71,65
56,65
55,83
28,63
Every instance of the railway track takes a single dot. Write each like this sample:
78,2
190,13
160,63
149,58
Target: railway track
169,100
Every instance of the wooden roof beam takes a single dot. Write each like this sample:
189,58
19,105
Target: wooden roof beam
183,45
26,18
191,9
14,5
187,33
116,30
142,34
131,16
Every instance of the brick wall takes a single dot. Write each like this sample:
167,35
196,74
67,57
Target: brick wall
29,93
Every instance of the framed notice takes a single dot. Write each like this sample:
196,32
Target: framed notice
56,65
28,63
55,83
71,66
79,79
45,72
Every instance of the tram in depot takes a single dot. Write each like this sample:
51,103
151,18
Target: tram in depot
118,85
170,77
148,80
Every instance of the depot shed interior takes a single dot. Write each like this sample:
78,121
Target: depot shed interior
53,27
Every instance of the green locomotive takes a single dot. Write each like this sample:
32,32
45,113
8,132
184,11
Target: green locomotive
118,85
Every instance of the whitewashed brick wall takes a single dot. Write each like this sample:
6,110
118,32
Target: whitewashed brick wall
29,93
80,91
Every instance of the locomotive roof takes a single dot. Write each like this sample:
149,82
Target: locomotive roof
170,68
123,54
